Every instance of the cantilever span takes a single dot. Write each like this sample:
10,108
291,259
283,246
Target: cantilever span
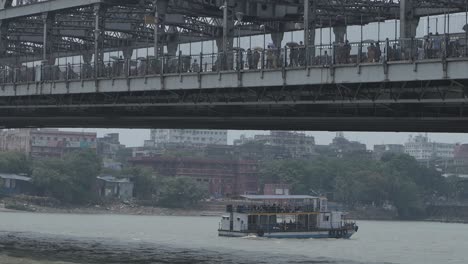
109,63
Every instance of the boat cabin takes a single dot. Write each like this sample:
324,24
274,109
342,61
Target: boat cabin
281,213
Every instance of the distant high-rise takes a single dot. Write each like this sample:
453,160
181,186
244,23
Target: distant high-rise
189,136
424,150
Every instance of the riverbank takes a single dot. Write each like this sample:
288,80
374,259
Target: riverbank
114,208
208,208
23,204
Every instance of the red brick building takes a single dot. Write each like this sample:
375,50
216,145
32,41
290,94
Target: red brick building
224,177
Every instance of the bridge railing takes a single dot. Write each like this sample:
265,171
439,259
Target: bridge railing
288,57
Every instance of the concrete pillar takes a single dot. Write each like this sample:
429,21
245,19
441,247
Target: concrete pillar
309,27
172,39
408,21
127,55
48,41
408,26
87,57
160,10
3,37
127,52
277,39
99,11
225,46
86,68
340,32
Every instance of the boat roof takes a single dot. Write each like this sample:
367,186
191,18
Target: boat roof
14,177
278,197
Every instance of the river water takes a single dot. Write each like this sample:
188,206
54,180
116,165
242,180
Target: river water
61,239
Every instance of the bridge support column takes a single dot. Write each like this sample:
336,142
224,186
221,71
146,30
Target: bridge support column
340,32
172,40
277,39
99,11
227,42
408,25
86,68
3,37
127,54
48,39
172,44
160,10
309,29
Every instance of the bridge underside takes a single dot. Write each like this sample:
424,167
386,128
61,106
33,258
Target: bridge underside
432,106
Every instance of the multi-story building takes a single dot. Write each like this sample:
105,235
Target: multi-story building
223,177
296,144
423,150
189,136
380,150
341,146
108,146
45,142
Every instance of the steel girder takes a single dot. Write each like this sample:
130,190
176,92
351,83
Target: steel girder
389,107
192,20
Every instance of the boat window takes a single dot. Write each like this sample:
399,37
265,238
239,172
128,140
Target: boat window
326,218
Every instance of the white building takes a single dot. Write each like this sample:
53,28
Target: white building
422,149
189,136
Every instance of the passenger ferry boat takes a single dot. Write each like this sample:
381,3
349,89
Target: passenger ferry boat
285,216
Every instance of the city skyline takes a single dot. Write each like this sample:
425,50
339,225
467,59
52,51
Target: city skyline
136,137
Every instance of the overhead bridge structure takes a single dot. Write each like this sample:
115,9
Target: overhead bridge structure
58,68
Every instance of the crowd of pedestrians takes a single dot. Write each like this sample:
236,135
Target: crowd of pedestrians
432,46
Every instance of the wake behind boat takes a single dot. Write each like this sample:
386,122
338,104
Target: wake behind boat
285,216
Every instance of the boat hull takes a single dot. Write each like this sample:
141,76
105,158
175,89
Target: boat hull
304,235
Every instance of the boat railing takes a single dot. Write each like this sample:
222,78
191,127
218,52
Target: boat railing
290,227
271,209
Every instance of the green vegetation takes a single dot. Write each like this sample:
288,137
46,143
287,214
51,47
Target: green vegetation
70,179
357,180
181,192
353,180
144,180
15,162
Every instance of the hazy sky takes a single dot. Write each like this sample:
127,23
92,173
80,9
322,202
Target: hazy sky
135,137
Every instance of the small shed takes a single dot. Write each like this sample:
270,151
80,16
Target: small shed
11,184
112,187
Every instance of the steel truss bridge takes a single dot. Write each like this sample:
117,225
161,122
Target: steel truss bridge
407,92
